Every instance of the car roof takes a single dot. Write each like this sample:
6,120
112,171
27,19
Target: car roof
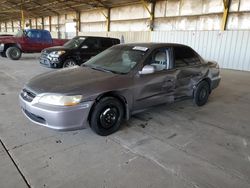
35,30
154,45
98,37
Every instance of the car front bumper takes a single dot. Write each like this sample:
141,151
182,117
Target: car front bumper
49,63
215,82
1,48
57,117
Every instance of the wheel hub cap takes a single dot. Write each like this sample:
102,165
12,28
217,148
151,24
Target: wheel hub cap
109,117
15,53
203,94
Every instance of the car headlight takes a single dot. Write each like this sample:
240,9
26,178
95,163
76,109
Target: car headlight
60,100
1,45
56,53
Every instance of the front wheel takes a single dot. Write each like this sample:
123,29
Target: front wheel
201,93
13,53
69,63
107,116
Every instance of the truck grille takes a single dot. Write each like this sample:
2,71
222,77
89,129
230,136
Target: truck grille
27,95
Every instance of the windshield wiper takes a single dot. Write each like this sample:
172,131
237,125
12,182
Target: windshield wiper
102,69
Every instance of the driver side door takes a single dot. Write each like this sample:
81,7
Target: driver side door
34,40
157,87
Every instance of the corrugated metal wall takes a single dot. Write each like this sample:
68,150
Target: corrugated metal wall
231,49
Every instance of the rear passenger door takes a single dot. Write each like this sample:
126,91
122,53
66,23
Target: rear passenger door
89,49
106,43
158,87
188,64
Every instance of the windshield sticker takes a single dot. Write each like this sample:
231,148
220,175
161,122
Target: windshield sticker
144,49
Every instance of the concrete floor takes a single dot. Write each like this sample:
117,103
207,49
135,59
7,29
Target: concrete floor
177,145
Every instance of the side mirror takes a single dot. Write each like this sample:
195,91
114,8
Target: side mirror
147,69
85,47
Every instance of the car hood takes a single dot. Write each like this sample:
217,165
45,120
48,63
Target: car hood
76,80
7,39
55,48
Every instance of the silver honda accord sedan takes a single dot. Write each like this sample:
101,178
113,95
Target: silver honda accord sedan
117,83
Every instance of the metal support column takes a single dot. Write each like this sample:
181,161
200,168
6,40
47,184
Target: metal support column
58,26
50,28
42,22
12,26
225,14
22,16
107,19
151,12
30,23
78,23
22,20
36,23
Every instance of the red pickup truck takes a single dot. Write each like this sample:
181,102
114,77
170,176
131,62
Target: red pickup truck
27,41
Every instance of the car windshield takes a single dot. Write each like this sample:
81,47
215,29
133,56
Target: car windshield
20,33
119,60
74,43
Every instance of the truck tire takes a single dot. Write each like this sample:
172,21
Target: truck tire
13,53
3,54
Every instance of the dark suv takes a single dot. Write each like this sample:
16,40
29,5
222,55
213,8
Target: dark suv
76,51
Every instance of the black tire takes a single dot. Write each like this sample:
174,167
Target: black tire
201,93
69,63
3,54
13,53
107,116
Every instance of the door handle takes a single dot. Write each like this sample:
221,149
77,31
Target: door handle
170,80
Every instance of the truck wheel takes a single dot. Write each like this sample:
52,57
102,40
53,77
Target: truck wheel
13,53
69,63
201,93
107,116
3,54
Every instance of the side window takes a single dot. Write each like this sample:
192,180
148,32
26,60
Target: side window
45,35
31,34
92,43
185,56
160,59
106,43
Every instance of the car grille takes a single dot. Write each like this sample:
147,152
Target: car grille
44,54
35,117
27,95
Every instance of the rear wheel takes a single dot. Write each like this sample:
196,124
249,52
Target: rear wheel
69,63
107,116
201,93
13,53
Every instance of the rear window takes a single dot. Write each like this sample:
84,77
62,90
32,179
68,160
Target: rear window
185,56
